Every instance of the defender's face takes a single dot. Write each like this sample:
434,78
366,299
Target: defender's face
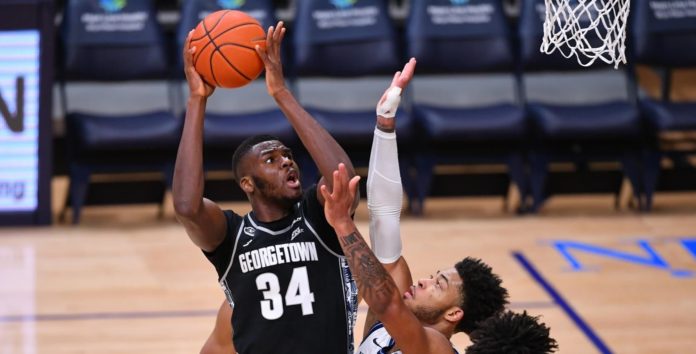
430,297
275,172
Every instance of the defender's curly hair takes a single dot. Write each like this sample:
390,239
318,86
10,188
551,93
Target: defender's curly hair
482,293
244,148
512,333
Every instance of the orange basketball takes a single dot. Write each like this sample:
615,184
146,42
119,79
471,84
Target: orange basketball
225,54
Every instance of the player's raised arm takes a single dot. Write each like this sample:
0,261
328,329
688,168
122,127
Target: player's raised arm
325,151
377,287
204,221
384,189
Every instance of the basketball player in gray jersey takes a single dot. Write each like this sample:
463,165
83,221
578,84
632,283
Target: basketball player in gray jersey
280,265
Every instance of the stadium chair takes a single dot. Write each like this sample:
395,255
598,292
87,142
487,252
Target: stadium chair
350,43
234,115
665,42
110,43
447,41
579,131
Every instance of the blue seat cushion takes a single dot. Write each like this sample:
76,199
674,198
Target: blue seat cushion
669,115
229,130
475,124
355,128
600,121
346,59
116,63
155,130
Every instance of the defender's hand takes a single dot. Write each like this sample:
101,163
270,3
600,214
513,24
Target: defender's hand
275,82
197,87
400,81
338,204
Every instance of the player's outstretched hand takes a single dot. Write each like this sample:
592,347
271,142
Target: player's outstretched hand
403,77
387,105
338,204
275,82
197,87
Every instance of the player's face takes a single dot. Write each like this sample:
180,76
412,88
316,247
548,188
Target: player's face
275,173
431,297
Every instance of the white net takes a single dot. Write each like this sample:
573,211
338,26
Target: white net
587,29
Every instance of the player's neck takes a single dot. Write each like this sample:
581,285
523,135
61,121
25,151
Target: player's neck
269,212
443,327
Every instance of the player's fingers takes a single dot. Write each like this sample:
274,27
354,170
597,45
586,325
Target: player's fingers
188,61
269,37
353,186
262,53
407,73
277,38
337,187
278,30
395,79
343,174
187,49
187,42
188,54
325,192
345,180
282,34
278,41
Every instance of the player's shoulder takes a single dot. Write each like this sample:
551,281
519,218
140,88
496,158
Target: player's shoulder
233,219
232,215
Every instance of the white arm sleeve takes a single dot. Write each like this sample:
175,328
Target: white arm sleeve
384,197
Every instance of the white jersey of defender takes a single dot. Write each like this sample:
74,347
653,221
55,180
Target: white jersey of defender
378,341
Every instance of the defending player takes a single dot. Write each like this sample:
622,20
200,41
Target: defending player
403,317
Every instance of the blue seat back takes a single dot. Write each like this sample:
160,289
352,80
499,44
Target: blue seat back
193,11
110,40
531,32
664,33
459,36
344,38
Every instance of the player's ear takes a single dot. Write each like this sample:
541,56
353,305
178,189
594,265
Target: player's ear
247,184
454,314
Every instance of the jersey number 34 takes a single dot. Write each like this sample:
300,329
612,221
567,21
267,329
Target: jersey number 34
298,293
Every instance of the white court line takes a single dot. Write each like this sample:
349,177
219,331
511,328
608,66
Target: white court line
18,267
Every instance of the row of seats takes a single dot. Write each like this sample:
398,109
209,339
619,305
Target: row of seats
348,39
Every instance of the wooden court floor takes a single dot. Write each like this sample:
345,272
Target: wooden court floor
123,281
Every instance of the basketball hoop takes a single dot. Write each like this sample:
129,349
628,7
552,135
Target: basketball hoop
587,29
